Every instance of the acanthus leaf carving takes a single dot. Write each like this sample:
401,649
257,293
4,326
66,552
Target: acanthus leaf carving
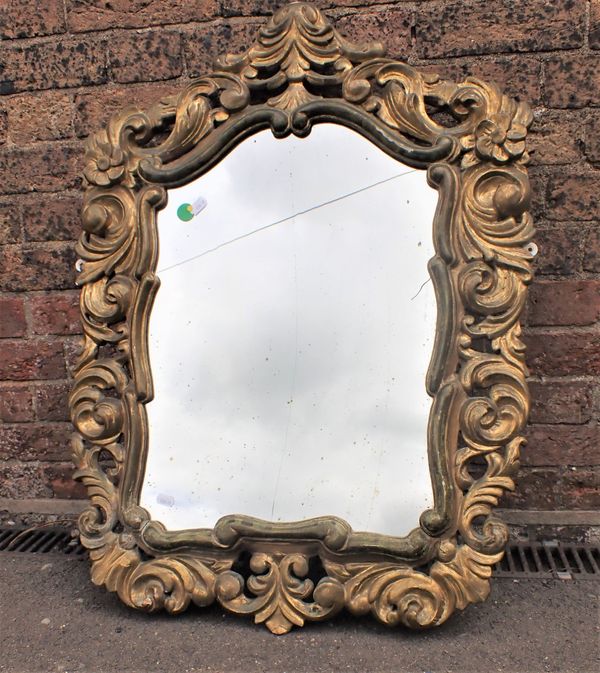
279,592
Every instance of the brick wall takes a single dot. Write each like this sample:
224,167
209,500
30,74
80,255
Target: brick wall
66,65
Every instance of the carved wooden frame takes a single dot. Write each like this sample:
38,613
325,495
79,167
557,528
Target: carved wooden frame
471,140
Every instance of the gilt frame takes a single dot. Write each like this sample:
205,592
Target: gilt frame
471,140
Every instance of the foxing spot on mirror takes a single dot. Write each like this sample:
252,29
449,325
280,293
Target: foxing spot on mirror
290,338
302,387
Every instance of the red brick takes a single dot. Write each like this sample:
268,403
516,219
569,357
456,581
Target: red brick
560,402
255,7
537,488
591,256
58,220
562,445
564,302
45,168
592,137
556,138
72,349
51,402
23,480
595,25
390,26
60,478
97,14
10,222
559,249
516,76
36,268
251,8
581,489
205,43
572,81
35,441
95,106
574,197
3,126
53,64
28,360
27,18
145,57
12,317
538,182
56,313
562,354
480,27
16,405
44,116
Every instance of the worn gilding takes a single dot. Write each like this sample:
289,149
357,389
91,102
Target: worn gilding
300,72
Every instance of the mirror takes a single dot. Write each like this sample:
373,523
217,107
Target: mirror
290,338
302,387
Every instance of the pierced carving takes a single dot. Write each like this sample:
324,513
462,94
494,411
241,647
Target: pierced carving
280,590
300,72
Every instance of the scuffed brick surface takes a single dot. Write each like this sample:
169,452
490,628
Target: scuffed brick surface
565,302
51,401
94,106
591,250
390,26
460,27
58,220
55,313
592,137
48,167
595,25
24,18
574,196
33,441
560,249
564,353
37,268
557,138
202,43
87,15
10,222
150,56
44,116
572,81
16,405
561,402
52,64
67,65
563,444
26,360
13,323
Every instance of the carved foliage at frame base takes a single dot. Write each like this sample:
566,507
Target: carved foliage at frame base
299,72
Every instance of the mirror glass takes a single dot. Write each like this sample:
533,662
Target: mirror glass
291,336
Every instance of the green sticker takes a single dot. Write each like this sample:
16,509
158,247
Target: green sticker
184,212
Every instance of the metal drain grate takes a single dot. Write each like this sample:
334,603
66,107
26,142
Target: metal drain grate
550,560
40,541
522,560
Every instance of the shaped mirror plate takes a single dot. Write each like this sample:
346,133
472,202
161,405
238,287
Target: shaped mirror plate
290,338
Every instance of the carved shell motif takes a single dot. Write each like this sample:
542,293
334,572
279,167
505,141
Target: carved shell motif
301,71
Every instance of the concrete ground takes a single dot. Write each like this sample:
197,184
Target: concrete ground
53,620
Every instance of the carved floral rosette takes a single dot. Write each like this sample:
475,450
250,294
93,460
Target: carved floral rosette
471,140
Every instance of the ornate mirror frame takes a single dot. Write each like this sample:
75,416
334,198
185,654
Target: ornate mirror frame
471,140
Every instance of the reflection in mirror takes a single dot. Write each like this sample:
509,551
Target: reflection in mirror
291,336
